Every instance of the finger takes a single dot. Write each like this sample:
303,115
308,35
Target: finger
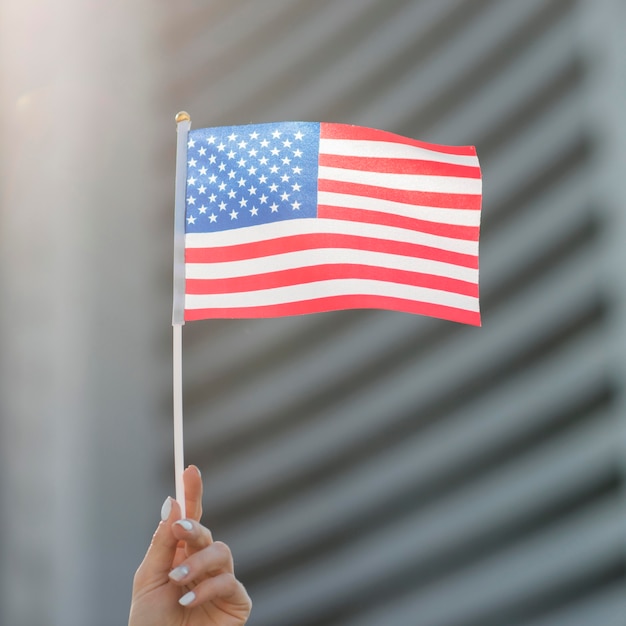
211,561
193,492
194,534
160,554
224,587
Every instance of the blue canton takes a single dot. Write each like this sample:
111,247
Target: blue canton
240,176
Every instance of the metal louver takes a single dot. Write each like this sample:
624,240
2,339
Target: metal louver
371,468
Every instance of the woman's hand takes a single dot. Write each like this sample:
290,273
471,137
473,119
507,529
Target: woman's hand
186,578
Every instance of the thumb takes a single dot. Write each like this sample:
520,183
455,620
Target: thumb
158,560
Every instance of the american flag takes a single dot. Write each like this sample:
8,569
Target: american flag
290,218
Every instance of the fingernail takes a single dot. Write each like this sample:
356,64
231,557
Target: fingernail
188,598
166,509
195,467
185,523
179,573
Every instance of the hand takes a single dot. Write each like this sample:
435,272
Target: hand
186,578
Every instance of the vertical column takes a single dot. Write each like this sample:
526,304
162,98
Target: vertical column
602,35
79,292
44,278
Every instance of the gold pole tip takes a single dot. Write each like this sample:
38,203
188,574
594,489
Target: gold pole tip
183,116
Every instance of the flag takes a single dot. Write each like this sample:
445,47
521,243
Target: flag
291,218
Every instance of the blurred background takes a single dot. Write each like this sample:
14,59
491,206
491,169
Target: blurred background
366,467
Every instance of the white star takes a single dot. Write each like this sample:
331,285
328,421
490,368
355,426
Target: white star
203,171
221,147
242,144
286,160
295,206
275,151
232,194
274,169
191,163
296,170
274,187
241,162
265,143
191,180
284,196
233,214
212,198
242,181
287,143
232,174
213,178
222,166
212,159
191,220
232,137
276,134
285,178
202,209
222,205
202,151
299,135
274,207
191,200
262,178
263,160
252,152
190,144
222,186
231,154
297,153
254,135
295,187
252,190
201,189
211,139
212,217
252,170
254,211
243,202
263,199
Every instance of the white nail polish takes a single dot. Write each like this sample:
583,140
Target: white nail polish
188,598
179,573
185,523
166,509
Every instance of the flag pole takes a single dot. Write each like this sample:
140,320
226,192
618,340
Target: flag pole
183,124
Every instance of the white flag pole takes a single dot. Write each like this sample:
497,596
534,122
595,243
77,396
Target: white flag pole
183,124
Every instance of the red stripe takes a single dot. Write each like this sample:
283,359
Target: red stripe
424,198
467,233
295,243
399,166
318,273
336,303
346,131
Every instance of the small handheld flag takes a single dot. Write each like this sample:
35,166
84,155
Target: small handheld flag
294,217
291,218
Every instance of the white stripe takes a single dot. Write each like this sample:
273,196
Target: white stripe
276,230
341,287
404,182
390,150
310,258
456,217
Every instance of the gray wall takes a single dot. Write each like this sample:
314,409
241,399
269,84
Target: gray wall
366,467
